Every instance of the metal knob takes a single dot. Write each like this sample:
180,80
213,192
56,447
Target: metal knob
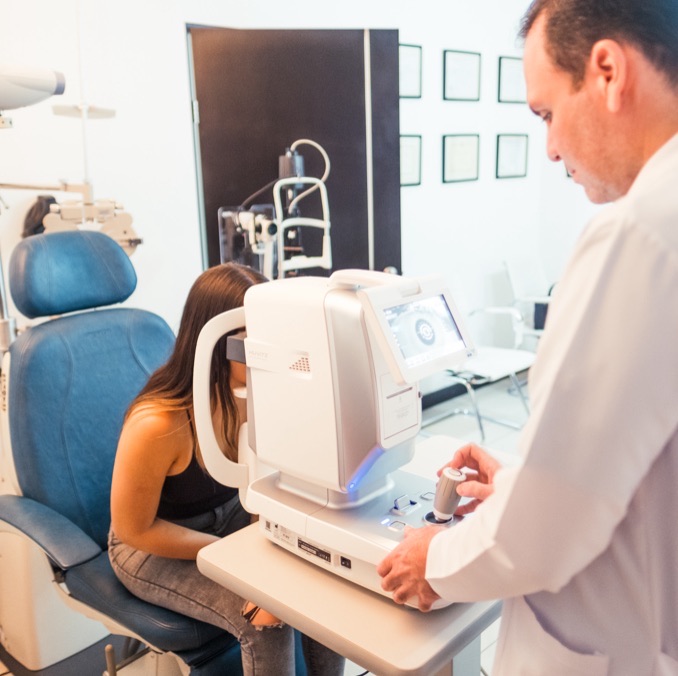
447,498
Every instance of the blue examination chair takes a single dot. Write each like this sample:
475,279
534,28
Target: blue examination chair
67,383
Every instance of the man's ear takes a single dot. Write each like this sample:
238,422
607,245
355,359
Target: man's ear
608,65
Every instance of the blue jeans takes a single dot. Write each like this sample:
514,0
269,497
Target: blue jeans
177,584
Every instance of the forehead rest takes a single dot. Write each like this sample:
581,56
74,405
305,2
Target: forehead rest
60,272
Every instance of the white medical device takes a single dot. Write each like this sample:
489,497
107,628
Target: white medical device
333,410
268,237
21,87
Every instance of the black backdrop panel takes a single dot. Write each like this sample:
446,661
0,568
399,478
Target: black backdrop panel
386,148
260,90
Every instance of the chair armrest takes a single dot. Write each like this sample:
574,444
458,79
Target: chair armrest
63,542
513,312
517,319
544,300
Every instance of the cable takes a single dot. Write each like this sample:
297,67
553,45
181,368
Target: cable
307,192
258,192
323,178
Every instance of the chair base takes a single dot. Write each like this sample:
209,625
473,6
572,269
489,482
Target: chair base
38,630
470,382
88,661
144,663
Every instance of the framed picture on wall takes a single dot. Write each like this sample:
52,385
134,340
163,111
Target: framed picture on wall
409,70
511,155
460,157
461,76
511,80
410,159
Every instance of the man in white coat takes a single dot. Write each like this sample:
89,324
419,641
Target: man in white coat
581,540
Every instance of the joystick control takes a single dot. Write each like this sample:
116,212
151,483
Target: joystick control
446,497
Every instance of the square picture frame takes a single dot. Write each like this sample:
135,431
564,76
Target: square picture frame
461,75
461,157
511,80
410,159
512,155
409,71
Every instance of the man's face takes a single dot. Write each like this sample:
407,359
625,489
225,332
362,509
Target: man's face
579,133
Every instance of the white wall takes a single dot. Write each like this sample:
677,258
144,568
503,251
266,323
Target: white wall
466,229
134,60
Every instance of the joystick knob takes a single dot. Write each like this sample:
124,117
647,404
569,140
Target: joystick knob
447,498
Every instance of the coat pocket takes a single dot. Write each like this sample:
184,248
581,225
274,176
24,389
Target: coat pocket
525,648
665,666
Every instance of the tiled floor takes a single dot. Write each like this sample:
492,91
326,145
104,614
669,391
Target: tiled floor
495,401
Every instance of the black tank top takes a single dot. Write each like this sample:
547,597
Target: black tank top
192,492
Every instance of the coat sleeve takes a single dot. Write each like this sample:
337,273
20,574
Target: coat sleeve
604,393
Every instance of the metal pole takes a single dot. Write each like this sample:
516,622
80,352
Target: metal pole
7,323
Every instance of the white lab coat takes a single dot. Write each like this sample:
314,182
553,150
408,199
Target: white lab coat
581,538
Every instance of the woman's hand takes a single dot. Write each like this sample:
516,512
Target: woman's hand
480,483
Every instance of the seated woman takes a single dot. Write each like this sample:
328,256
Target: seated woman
164,505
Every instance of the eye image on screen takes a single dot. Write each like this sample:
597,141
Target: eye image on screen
424,329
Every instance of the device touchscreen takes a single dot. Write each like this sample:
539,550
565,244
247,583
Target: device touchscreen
424,329
417,325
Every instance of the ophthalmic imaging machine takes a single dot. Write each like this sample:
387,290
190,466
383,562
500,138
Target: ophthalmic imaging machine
333,415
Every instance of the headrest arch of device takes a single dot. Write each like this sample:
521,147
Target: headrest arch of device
60,272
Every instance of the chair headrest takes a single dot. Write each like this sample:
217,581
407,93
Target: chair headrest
63,272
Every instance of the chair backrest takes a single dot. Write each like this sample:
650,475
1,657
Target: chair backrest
72,378
526,276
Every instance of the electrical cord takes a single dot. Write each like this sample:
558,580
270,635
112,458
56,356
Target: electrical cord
303,194
258,192
323,178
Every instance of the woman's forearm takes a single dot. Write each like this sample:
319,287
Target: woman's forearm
164,538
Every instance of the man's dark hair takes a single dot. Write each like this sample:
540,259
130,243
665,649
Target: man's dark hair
574,26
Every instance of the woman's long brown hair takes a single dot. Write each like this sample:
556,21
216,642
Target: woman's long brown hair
170,387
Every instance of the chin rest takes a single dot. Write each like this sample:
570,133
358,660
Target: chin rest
69,382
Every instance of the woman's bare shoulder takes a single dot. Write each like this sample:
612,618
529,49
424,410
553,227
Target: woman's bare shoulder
157,422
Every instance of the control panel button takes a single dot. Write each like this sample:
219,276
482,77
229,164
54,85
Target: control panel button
397,526
402,502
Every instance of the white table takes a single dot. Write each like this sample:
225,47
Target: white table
367,628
